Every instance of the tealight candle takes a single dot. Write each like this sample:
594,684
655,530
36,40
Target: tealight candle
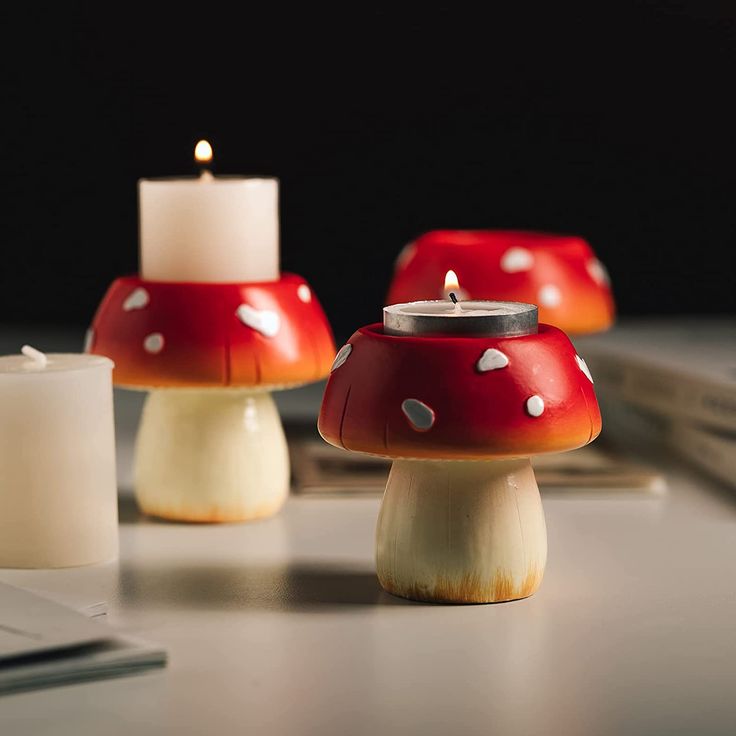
477,318
219,229
456,317
58,498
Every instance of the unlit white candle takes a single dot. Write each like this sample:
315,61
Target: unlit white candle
58,499
209,229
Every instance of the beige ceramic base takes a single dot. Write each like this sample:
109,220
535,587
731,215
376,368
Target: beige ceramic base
211,456
461,532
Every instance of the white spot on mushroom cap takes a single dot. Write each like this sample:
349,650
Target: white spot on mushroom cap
535,406
264,321
420,416
304,293
341,357
584,368
598,272
549,296
137,299
516,259
89,340
153,343
405,255
492,360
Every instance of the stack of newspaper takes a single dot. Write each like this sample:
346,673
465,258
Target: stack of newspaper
674,379
44,643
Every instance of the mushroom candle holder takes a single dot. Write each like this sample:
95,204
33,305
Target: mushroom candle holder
460,396
209,328
559,273
210,446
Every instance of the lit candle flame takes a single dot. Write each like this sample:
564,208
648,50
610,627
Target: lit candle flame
452,288
203,152
451,281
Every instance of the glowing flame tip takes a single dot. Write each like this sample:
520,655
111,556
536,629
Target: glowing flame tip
203,152
451,281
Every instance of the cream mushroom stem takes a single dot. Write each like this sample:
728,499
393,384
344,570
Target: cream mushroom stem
461,531
211,455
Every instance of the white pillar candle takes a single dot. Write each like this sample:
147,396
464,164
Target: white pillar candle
209,228
58,496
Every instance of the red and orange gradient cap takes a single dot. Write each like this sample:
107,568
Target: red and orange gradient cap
558,273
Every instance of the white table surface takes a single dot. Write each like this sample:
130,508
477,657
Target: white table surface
280,627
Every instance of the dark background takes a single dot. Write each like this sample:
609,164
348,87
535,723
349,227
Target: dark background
616,122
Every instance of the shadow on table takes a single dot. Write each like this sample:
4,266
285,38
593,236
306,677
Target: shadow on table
287,588
128,512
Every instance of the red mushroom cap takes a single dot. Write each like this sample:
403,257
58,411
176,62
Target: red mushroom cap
458,398
558,273
170,334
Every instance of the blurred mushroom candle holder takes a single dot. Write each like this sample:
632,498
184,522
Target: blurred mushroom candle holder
559,273
209,328
460,396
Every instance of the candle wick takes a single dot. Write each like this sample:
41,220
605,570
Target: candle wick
453,298
39,359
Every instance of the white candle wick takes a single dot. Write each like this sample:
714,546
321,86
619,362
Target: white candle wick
39,359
